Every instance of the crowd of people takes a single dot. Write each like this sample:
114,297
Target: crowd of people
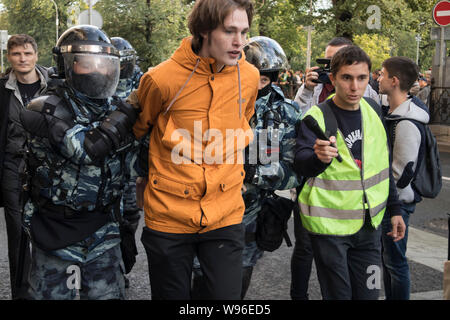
199,143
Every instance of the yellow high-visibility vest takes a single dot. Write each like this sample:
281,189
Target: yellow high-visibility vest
334,202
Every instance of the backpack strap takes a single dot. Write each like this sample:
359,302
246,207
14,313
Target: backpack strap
375,106
329,118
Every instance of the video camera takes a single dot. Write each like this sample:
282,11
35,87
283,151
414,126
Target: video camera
324,71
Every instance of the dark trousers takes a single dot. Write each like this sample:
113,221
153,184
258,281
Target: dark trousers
349,267
11,191
396,276
301,261
170,258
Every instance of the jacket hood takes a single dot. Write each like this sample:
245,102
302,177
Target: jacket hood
187,58
413,108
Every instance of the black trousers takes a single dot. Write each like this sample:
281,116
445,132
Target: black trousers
170,257
11,191
301,261
349,267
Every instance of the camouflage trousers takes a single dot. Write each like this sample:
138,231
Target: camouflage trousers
52,278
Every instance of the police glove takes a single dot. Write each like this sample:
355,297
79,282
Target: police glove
112,133
250,172
118,125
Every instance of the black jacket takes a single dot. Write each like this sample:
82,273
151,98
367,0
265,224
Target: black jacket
4,105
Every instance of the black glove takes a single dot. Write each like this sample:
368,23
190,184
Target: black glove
113,133
250,171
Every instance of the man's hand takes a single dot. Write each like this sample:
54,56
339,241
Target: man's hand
133,100
141,184
398,228
324,151
310,76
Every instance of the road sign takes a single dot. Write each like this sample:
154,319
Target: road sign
96,17
441,13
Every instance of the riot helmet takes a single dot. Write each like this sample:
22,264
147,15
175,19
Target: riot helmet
127,57
266,55
87,59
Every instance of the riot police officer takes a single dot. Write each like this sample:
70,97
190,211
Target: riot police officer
130,75
276,116
77,145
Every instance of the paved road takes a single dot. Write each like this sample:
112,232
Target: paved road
427,251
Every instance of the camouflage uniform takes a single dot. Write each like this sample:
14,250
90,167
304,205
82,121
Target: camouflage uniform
123,90
64,175
276,175
125,86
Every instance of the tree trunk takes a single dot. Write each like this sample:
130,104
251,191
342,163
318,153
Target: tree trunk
148,24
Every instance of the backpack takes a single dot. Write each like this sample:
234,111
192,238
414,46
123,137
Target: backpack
272,222
427,179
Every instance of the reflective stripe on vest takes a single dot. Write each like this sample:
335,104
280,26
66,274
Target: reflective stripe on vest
335,201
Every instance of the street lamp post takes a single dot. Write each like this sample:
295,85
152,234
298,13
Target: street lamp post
56,20
418,39
308,43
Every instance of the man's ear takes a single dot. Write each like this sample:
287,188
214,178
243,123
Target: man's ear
395,81
204,35
332,79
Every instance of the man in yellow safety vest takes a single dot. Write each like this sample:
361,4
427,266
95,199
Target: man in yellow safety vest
342,203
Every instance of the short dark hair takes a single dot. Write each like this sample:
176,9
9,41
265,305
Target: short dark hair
348,56
339,42
207,15
404,69
21,40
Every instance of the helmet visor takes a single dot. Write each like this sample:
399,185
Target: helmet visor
94,75
127,66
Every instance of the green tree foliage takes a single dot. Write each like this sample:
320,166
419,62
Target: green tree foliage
400,21
376,46
155,27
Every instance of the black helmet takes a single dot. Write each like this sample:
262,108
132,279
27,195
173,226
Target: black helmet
266,55
127,57
89,62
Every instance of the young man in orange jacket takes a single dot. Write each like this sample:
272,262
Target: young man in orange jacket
198,102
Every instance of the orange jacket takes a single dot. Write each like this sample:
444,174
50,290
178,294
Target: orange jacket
203,192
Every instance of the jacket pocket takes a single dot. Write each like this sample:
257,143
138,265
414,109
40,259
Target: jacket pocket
234,180
173,187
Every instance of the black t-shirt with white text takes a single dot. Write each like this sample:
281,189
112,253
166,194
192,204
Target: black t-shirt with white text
349,123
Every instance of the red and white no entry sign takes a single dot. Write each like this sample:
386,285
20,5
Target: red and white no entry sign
441,13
